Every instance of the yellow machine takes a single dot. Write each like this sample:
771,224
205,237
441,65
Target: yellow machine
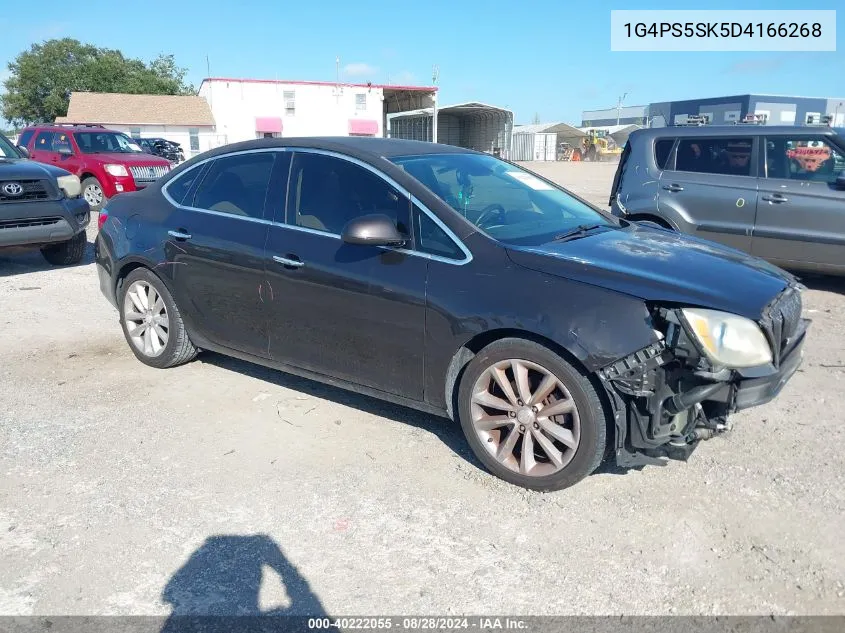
598,145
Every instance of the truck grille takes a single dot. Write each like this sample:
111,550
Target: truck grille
32,190
22,224
148,174
784,318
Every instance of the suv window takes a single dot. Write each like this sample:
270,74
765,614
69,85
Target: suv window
327,192
61,142
431,239
662,149
25,136
808,158
237,184
44,142
728,156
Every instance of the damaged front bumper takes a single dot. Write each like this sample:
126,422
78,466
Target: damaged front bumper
666,398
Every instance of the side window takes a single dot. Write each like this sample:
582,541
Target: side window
327,192
179,187
237,184
23,141
727,156
662,149
431,239
44,142
61,143
809,158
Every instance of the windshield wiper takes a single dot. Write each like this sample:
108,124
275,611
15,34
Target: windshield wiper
579,231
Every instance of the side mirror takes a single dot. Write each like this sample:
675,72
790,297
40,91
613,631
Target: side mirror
372,230
840,181
24,152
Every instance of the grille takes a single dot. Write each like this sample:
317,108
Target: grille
32,190
785,316
148,174
22,224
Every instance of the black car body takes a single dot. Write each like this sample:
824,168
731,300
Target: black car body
41,206
777,192
408,295
162,147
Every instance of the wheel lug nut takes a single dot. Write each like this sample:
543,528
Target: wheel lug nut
519,402
522,428
512,414
536,426
534,409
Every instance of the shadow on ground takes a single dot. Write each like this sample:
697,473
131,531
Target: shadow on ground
824,283
218,588
445,430
21,260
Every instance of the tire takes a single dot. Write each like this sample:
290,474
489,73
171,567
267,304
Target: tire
66,253
178,348
574,462
90,188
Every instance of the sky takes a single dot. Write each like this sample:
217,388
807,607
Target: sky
544,58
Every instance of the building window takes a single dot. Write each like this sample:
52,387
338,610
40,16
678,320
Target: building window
728,156
813,118
135,132
290,102
361,102
195,139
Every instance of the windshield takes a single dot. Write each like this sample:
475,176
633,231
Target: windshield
7,150
113,142
505,202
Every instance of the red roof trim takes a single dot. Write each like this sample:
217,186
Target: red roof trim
322,83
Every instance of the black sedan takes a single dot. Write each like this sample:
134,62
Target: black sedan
457,283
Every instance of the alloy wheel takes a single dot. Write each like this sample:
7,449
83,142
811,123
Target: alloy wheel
525,417
146,319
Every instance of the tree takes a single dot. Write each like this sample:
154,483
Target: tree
42,78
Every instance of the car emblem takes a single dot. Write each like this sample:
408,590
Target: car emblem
12,189
152,172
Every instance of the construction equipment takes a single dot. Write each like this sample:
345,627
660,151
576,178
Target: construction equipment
565,151
694,120
598,145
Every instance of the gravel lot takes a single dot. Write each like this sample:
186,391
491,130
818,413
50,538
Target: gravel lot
224,487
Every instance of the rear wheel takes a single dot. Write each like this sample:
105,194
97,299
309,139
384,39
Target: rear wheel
530,417
92,191
152,323
66,253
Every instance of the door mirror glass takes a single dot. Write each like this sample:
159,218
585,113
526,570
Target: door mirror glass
375,229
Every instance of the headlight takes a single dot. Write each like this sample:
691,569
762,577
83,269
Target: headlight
116,170
70,185
728,339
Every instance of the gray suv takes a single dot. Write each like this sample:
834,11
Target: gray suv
775,192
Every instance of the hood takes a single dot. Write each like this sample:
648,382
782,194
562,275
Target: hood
25,169
664,266
142,158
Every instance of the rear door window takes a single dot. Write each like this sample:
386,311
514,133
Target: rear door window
237,184
725,156
44,142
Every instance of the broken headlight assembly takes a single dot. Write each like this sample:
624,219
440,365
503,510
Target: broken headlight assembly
727,340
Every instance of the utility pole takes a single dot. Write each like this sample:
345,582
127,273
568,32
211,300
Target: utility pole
619,107
435,75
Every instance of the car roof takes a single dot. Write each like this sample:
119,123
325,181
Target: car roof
729,130
358,146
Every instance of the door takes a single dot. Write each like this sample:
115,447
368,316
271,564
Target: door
800,212
42,148
712,188
216,245
64,155
353,312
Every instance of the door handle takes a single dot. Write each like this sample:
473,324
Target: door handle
673,188
288,262
776,198
180,235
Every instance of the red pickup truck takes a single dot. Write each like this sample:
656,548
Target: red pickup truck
107,162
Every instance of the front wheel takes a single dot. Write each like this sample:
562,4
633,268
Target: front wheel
530,417
92,191
152,324
66,253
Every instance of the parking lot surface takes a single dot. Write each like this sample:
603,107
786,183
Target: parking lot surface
222,487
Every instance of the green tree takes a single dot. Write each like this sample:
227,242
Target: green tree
42,78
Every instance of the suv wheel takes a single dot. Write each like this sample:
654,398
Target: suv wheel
66,253
93,193
152,324
530,417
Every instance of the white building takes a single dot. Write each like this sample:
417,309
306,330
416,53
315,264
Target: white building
186,120
245,109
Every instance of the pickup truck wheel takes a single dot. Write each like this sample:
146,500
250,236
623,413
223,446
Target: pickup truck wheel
93,194
66,253
531,417
152,322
